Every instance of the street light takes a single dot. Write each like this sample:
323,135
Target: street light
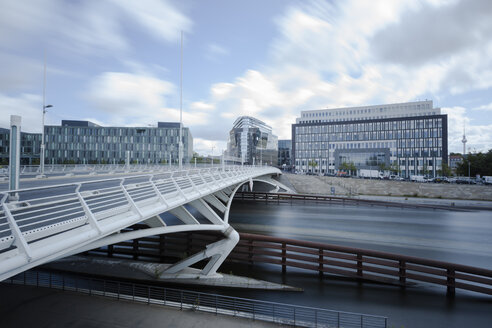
41,162
213,156
45,107
180,144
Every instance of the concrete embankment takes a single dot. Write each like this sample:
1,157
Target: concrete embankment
361,187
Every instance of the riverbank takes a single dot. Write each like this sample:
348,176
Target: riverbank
388,188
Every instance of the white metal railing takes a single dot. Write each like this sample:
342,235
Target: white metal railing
111,168
48,222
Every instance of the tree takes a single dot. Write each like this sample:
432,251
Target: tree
382,167
480,163
313,164
395,168
445,170
352,168
425,168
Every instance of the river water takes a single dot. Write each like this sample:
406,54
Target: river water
458,237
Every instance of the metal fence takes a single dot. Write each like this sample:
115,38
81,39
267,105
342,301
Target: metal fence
115,168
285,314
388,268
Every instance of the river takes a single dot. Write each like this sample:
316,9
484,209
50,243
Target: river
458,237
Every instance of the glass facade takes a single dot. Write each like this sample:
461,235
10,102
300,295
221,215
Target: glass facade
284,153
30,147
409,145
252,141
83,142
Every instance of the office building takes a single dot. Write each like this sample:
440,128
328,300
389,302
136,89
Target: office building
454,161
374,112
252,141
84,142
30,147
407,138
284,154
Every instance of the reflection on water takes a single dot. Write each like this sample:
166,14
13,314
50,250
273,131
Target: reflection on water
459,237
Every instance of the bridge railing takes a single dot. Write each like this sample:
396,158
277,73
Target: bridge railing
32,215
111,168
361,263
285,314
322,258
289,197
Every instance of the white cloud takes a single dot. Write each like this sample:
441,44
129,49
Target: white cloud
87,27
220,91
457,120
214,51
487,107
29,107
135,99
200,105
330,56
160,18
204,146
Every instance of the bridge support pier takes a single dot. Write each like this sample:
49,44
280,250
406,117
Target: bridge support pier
217,252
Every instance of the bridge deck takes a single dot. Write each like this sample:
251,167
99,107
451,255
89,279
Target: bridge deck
41,224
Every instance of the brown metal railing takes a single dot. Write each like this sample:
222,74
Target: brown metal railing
285,197
322,258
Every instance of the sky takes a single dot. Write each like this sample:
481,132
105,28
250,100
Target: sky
117,62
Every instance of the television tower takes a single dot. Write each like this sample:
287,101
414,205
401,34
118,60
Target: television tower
464,141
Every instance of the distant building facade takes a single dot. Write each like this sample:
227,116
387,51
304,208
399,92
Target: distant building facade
84,142
373,112
284,154
252,140
30,147
408,138
454,160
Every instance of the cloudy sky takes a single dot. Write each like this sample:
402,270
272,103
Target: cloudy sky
116,62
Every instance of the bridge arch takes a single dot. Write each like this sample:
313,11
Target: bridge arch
49,228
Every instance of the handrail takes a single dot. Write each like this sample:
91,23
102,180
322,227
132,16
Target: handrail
277,197
42,223
281,313
208,169
396,269
108,168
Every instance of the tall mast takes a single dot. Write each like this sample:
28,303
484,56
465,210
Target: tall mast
464,141
180,144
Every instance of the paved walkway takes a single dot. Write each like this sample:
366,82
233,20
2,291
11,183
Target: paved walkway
25,306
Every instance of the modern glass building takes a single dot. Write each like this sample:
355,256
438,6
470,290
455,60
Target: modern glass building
30,147
284,154
252,140
380,138
84,142
373,112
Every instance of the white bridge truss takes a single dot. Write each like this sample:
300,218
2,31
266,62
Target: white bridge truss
50,223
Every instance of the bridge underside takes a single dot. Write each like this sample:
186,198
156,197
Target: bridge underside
38,230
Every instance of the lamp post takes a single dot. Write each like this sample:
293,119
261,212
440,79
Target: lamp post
180,144
213,156
41,162
45,107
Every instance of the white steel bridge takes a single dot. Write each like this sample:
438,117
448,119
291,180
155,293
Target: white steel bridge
49,223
